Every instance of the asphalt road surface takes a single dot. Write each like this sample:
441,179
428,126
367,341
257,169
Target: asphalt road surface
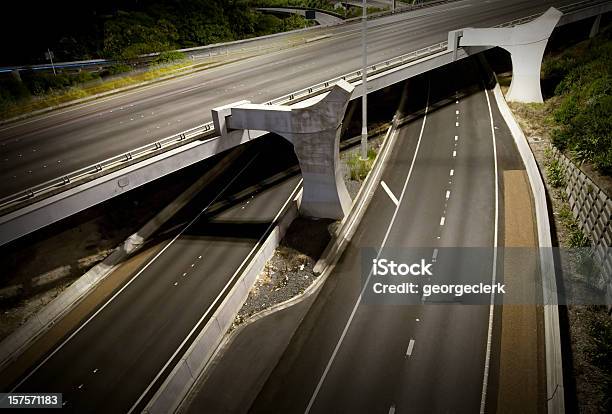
51,145
107,364
351,356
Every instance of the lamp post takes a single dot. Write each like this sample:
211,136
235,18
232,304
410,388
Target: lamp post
364,83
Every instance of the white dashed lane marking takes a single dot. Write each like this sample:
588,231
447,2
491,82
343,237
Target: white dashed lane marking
410,348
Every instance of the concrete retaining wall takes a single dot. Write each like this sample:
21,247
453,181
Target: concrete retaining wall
592,208
13,345
555,394
193,362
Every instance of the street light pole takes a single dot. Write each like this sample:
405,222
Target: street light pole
364,83
49,56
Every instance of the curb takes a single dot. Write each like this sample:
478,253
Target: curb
325,266
87,99
554,364
39,323
185,373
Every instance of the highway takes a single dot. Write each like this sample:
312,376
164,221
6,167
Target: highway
352,356
122,352
47,146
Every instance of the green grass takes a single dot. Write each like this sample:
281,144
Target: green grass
580,79
359,168
56,97
555,174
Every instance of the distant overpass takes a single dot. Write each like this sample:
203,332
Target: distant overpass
79,188
320,16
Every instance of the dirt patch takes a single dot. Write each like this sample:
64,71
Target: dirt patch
520,385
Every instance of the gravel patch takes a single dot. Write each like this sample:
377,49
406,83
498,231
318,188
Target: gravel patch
290,270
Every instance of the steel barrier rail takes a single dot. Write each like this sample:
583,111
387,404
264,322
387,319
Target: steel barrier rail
216,46
204,131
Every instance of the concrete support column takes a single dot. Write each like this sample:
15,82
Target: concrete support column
526,69
595,27
313,127
526,43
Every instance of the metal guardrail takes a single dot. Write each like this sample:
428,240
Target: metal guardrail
205,130
568,8
202,132
219,48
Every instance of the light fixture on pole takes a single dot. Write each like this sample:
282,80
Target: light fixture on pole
364,83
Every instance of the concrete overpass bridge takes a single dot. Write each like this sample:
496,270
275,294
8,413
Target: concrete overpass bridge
37,204
320,16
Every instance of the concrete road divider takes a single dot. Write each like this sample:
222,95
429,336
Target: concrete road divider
194,360
17,342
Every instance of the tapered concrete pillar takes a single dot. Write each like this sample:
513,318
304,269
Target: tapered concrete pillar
313,127
526,44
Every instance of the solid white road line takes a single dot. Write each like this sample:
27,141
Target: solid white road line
218,298
389,192
485,379
354,311
134,277
410,348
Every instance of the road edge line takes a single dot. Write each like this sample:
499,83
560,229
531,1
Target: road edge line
552,335
197,356
485,379
324,266
45,318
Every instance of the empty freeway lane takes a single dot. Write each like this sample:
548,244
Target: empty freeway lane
121,353
441,190
49,146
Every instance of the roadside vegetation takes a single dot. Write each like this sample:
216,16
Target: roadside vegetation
580,80
576,117
359,168
345,11
45,90
125,33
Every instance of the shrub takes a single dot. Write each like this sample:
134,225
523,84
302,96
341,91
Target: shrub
169,56
555,174
117,69
359,168
583,118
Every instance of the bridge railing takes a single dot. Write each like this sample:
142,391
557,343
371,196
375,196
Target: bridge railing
206,131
